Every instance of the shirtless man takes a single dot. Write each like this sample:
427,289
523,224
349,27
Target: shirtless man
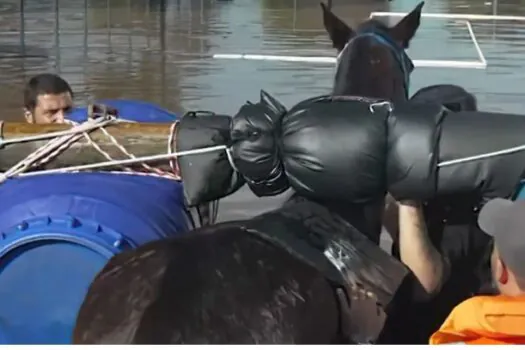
47,99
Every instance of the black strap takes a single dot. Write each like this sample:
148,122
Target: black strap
203,214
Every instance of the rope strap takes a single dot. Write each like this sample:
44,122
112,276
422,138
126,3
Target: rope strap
62,140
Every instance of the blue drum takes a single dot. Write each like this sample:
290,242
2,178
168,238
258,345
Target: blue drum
137,111
58,231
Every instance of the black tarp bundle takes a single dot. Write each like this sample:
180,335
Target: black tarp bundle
356,150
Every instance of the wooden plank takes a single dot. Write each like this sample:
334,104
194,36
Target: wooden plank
140,139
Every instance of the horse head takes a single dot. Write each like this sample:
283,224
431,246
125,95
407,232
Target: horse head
372,60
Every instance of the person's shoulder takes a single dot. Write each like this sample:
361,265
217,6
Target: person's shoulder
473,305
473,301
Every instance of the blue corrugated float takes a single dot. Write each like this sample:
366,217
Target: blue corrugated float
137,111
57,232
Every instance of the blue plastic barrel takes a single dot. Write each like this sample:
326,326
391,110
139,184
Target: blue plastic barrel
138,111
58,231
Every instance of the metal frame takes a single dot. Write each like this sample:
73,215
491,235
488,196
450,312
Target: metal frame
332,59
478,64
465,16
482,62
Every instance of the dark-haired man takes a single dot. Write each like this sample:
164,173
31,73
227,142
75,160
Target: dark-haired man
47,99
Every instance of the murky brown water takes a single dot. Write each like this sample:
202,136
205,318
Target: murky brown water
136,49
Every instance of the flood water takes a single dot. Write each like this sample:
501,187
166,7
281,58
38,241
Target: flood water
160,51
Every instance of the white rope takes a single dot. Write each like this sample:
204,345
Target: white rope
152,170
136,160
502,152
54,147
173,164
79,128
130,155
64,139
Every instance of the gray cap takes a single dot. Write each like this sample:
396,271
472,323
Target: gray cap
505,221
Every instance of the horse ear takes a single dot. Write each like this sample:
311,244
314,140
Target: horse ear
405,30
340,33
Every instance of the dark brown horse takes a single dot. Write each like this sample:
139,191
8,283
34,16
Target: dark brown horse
266,280
372,62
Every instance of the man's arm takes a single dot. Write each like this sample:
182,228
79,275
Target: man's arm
418,252
391,218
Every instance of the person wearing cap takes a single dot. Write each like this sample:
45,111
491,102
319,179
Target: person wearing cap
495,319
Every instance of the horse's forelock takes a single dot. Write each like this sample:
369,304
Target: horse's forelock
355,54
369,26
372,25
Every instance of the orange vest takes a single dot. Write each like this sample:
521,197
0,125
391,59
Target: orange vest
484,320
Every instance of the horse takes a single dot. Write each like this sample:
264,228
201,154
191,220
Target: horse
240,283
372,62
262,280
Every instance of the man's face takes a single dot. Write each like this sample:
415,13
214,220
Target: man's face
50,109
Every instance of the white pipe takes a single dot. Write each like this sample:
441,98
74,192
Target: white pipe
451,16
476,44
327,59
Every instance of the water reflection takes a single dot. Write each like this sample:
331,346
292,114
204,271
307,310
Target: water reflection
160,50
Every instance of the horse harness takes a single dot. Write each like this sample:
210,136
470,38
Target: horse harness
319,238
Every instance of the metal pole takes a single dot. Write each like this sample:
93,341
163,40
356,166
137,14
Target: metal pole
108,19
201,20
190,19
162,25
86,27
202,12
162,28
130,37
147,15
494,13
294,21
22,28
57,35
